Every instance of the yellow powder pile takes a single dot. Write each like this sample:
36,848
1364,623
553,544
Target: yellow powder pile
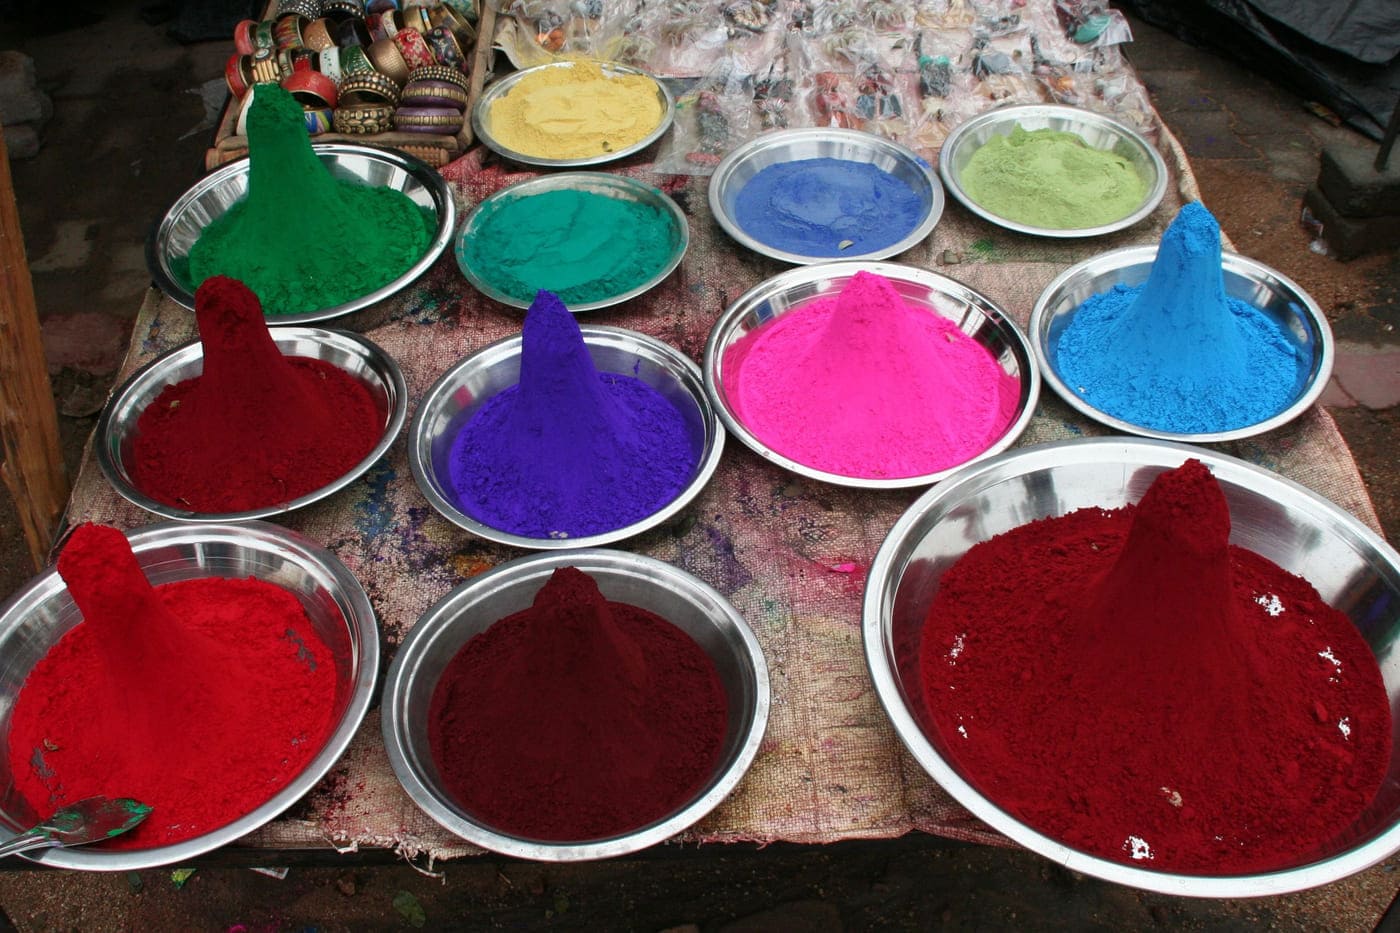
576,112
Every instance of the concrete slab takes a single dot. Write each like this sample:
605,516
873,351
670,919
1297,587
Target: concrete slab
1369,374
1349,179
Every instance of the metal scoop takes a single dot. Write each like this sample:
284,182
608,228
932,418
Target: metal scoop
89,820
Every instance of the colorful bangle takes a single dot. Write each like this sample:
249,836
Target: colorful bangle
446,48
286,31
352,31
447,17
263,37
238,74
374,25
243,36
308,8
285,65
391,23
304,60
363,119
444,121
319,120
381,6
435,94
317,35
417,18
337,10
311,89
440,73
328,63
386,58
369,88
354,60
415,49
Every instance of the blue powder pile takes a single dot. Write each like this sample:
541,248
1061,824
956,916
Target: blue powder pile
1176,354
827,207
569,452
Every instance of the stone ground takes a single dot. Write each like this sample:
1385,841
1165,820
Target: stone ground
133,114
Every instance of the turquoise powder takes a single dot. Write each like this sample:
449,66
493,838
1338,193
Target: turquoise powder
1176,354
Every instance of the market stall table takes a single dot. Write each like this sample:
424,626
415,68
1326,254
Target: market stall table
789,553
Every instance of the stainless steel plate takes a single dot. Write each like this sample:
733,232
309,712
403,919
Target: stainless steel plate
974,314
357,356
746,161
1099,131
1352,568
175,234
683,600
1245,279
35,618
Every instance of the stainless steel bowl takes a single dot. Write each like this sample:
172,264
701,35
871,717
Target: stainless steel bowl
1351,567
685,601
460,392
356,355
974,314
746,161
1245,279
613,186
175,234
481,117
1099,131
36,617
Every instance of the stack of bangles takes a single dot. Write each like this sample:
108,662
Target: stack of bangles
359,67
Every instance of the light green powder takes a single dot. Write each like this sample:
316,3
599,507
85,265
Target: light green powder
1053,179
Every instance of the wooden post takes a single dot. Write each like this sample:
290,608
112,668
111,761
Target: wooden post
32,466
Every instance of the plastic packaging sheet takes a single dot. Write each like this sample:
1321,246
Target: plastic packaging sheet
908,70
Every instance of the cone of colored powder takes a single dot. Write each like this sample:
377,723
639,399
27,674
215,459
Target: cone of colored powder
1176,354
864,385
303,239
255,428
568,451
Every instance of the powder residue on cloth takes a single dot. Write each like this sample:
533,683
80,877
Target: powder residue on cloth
303,239
1052,179
569,451
827,207
578,718
201,698
1176,354
575,112
1132,685
862,384
255,428
581,245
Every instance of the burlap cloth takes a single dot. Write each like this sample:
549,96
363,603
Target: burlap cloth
790,554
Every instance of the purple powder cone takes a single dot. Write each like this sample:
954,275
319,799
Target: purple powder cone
569,452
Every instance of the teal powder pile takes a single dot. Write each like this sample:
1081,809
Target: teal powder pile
302,239
1176,354
580,245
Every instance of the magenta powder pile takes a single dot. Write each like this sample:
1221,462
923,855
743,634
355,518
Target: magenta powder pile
864,385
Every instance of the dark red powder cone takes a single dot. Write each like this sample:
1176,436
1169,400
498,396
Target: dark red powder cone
1188,639
571,632
255,390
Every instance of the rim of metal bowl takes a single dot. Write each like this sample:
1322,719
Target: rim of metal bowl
109,457
363,635
1134,451
720,180
763,291
500,88
433,623
418,456
425,174
575,181
1013,113
1233,262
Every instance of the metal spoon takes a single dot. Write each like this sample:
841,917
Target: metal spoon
89,820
